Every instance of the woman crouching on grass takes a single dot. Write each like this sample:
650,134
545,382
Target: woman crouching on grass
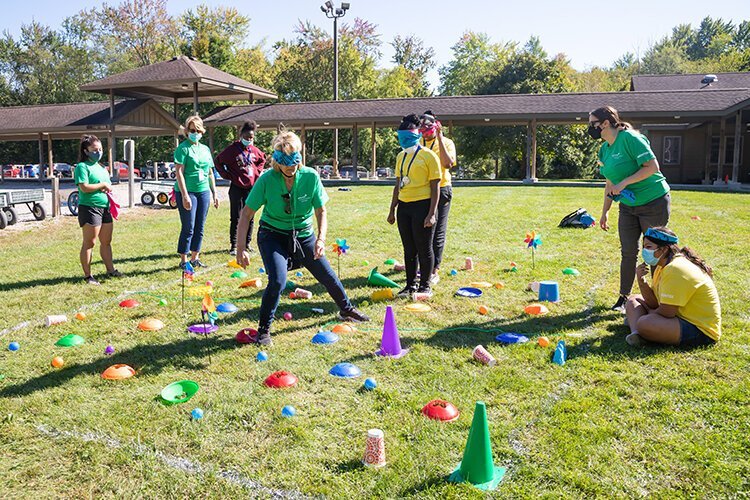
681,307
290,194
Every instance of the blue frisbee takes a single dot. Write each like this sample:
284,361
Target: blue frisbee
345,370
469,292
325,338
512,338
226,307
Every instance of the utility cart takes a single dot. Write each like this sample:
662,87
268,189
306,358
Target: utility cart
157,191
32,198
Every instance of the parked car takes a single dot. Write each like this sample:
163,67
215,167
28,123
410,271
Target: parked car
123,170
325,171
31,171
384,172
11,171
165,169
347,170
63,170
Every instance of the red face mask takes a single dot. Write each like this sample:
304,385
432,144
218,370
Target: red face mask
429,130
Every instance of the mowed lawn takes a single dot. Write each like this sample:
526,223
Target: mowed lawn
613,422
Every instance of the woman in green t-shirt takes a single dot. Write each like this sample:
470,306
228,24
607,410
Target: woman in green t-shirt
634,179
291,195
194,189
94,216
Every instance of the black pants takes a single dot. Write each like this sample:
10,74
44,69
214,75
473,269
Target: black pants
441,227
237,197
631,225
417,240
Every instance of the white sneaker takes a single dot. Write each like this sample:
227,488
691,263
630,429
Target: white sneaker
635,340
434,279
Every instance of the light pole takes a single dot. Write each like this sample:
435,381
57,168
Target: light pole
334,13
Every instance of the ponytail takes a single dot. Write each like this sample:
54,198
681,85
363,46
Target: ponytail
693,257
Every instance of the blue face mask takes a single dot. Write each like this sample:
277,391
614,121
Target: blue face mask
246,142
195,136
94,156
649,257
287,160
408,138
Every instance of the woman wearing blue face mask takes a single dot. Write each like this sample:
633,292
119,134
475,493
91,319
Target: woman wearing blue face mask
681,307
93,207
416,195
195,189
241,163
291,196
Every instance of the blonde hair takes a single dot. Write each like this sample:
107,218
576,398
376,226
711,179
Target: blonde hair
287,142
192,120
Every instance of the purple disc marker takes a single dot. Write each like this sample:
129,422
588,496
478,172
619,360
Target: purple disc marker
202,328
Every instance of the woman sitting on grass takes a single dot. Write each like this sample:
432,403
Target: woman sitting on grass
682,306
291,195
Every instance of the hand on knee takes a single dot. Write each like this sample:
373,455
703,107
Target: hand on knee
632,303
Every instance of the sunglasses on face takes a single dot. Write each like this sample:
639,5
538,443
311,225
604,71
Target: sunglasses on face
594,124
288,202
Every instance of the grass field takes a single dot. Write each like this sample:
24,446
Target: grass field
613,422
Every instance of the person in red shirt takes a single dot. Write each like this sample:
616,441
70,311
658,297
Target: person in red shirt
241,163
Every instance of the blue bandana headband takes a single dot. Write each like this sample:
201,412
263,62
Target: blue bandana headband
660,236
287,160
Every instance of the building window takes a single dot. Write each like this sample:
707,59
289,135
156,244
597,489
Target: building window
672,150
729,153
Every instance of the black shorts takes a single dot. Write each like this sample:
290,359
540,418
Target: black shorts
94,216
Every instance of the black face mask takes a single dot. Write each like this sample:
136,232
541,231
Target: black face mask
594,132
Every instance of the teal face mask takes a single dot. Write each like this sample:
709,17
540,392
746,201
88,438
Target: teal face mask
246,142
94,156
195,136
649,257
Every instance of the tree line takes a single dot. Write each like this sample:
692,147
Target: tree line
46,64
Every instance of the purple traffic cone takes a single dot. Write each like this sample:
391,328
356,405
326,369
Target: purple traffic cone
390,344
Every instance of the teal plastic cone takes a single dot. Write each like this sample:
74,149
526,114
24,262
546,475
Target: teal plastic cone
477,466
377,279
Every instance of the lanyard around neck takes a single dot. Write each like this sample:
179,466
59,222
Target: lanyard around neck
403,160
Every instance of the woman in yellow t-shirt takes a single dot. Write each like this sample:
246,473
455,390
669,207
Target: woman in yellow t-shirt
416,195
681,307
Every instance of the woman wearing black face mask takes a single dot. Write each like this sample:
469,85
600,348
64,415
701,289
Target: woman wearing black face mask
634,179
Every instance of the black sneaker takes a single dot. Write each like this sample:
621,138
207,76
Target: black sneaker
620,304
232,251
353,316
114,274
90,280
197,263
406,292
425,290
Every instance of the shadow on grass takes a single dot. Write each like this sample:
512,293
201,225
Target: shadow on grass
189,353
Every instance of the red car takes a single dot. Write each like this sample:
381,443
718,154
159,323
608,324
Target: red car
123,168
11,171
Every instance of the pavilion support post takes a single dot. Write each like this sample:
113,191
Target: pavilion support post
336,174
303,138
176,135
195,98
211,139
373,153
709,136
737,146
113,172
41,158
355,151
531,153
722,151
55,180
450,128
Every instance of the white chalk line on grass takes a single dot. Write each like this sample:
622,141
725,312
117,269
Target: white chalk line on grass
178,463
96,305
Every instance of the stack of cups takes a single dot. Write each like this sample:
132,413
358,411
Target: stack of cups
375,449
469,264
301,293
480,354
55,319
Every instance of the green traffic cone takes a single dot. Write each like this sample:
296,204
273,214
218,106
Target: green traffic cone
377,279
477,466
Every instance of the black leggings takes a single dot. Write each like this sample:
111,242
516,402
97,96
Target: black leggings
441,227
237,197
417,240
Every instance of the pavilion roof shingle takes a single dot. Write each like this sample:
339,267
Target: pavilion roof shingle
691,81
164,80
502,109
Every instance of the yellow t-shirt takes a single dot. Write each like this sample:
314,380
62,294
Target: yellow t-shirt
450,146
421,167
683,284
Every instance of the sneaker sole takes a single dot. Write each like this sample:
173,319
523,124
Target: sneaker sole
349,319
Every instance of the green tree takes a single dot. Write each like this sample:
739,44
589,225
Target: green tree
475,57
411,55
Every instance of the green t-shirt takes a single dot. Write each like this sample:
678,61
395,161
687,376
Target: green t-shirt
306,195
198,163
623,158
91,173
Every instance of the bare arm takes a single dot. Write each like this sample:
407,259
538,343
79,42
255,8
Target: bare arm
434,198
180,174
320,244
394,202
606,206
445,159
243,226
666,310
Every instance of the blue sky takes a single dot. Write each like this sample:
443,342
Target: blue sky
595,32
